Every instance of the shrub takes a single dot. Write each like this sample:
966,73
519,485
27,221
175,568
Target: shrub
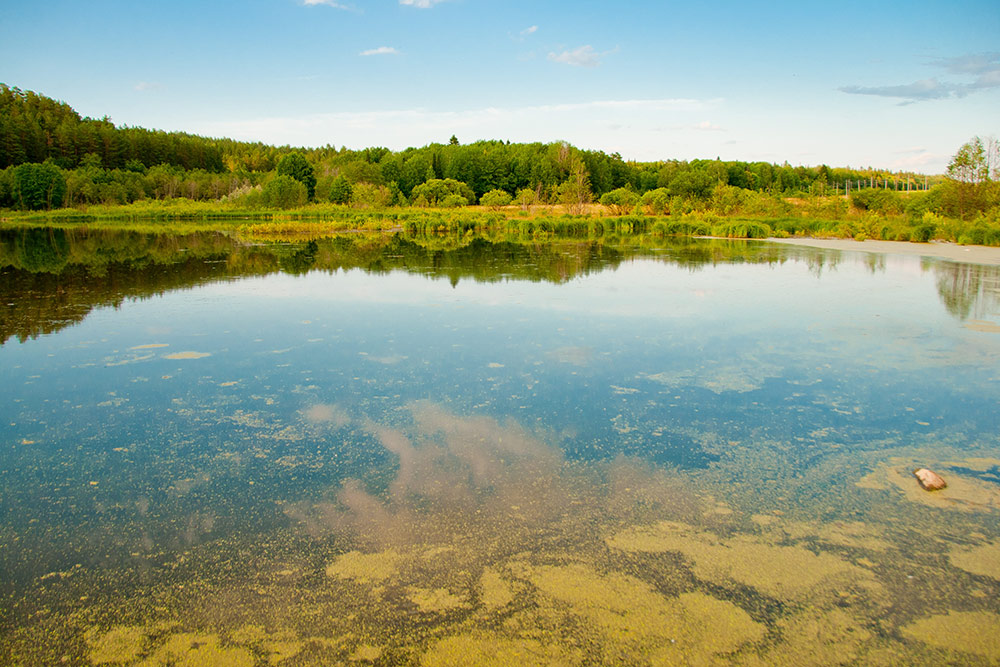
453,201
657,201
436,190
923,233
496,199
340,191
742,230
369,195
284,192
38,186
621,201
878,201
526,197
297,166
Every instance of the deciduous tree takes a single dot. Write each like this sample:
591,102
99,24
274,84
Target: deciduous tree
297,166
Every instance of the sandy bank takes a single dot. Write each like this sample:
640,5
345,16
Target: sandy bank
973,254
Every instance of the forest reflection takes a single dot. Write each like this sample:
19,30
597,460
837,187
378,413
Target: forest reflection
52,278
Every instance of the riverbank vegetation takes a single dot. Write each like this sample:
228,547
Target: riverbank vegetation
57,167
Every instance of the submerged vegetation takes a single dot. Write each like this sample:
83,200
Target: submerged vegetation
58,167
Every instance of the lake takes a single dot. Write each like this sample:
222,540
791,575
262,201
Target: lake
225,450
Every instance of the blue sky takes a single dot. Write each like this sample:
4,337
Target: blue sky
886,84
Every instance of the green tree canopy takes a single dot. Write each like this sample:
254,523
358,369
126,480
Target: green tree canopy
38,186
284,192
297,166
620,200
495,199
969,164
340,191
437,190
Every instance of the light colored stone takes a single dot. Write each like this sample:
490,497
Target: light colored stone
930,480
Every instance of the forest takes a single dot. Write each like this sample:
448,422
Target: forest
52,158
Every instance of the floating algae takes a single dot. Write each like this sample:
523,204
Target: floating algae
963,492
852,534
119,645
740,378
366,653
488,650
781,571
191,649
966,631
435,600
984,559
278,646
494,591
187,355
637,620
365,567
832,637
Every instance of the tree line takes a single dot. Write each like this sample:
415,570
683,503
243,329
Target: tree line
51,157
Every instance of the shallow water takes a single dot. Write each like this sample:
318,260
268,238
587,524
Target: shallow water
429,451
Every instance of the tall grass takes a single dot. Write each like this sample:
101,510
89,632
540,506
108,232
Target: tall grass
185,214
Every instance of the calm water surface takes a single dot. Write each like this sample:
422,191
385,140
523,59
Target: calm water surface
437,451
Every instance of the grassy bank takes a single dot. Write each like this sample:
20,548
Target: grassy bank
537,221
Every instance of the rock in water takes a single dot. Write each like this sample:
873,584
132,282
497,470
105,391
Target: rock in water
930,480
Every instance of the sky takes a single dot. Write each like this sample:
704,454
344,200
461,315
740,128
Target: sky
893,85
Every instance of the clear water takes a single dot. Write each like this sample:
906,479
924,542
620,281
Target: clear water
442,451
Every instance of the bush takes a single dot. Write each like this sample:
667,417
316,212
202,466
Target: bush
436,190
38,186
284,192
496,199
526,197
742,230
621,201
877,201
453,201
727,199
340,191
369,195
923,233
657,201
297,166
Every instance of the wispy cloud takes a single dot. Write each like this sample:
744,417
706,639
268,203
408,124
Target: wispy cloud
707,126
524,34
380,51
398,129
420,4
328,3
143,86
974,63
583,56
918,91
983,68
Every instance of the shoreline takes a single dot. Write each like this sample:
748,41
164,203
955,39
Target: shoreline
971,254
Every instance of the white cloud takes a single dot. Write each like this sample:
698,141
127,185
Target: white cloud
380,51
622,126
328,3
984,68
420,4
917,159
143,86
529,31
583,56
707,126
